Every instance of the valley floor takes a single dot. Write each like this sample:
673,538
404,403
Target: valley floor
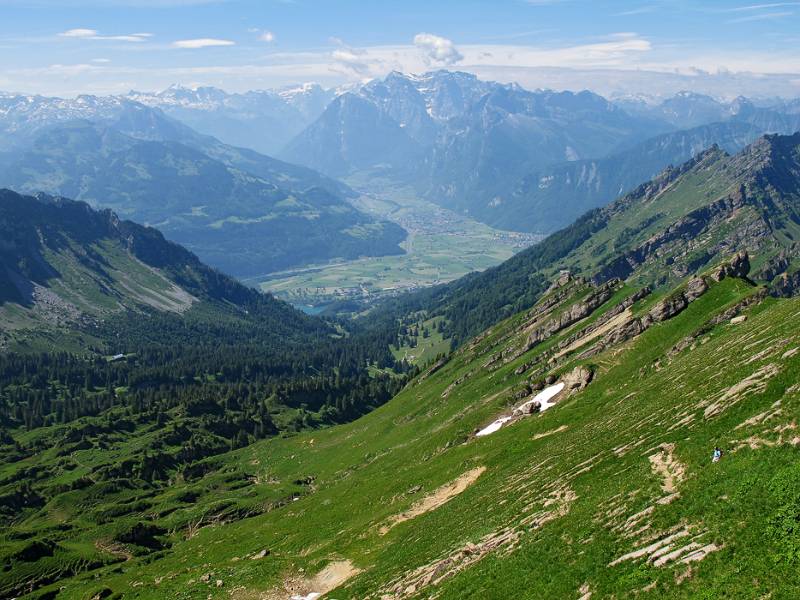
441,246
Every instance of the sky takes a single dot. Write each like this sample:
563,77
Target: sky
721,47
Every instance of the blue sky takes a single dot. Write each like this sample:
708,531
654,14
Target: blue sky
67,47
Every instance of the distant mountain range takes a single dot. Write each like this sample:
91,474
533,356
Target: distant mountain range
559,194
509,157
519,159
264,120
241,211
441,120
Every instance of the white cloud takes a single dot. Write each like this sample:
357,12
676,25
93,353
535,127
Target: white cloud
79,33
437,50
202,43
134,37
100,61
763,17
617,63
93,34
267,36
351,59
70,70
762,6
642,10
355,62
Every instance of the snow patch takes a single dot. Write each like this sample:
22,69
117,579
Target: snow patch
494,426
543,398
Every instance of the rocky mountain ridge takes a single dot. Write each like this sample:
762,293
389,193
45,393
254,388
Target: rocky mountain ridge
515,158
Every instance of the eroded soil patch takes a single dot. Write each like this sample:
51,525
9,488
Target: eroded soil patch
433,501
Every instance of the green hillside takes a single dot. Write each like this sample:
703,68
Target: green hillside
611,491
563,452
684,220
127,362
69,273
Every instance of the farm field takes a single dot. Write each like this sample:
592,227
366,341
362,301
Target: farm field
441,246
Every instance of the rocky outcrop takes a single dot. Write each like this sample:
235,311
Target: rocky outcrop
578,378
627,330
663,310
784,282
676,303
555,295
563,279
546,322
587,331
739,266
572,315
686,228
778,264
787,284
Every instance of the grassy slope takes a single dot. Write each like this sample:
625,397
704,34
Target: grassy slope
679,205
426,348
597,453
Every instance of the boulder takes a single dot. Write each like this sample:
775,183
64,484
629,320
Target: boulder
578,378
738,266
563,279
739,319
695,288
668,307
530,408
523,392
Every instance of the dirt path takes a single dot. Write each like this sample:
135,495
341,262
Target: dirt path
334,575
298,588
433,501
669,468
